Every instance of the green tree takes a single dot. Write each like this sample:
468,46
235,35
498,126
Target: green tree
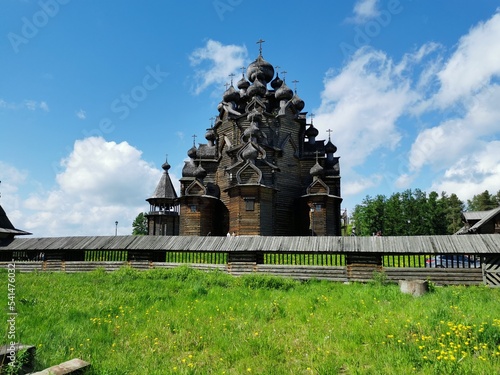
409,213
369,216
483,202
453,212
140,225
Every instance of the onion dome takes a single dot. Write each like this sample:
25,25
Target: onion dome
260,69
252,130
258,88
250,153
312,132
330,148
298,102
200,172
189,169
231,95
166,166
316,170
192,152
243,84
284,92
276,82
210,135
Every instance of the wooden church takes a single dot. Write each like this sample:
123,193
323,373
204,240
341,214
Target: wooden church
261,172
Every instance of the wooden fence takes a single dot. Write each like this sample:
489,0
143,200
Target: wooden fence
473,259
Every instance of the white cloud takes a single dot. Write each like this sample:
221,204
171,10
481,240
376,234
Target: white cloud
442,145
43,106
81,114
363,103
214,62
11,178
473,65
430,113
101,182
29,104
473,173
365,10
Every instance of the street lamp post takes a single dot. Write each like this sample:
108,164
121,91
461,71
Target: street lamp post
116,228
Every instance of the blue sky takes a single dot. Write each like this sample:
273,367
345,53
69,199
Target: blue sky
94,94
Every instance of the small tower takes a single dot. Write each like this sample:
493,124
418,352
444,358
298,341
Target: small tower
163,216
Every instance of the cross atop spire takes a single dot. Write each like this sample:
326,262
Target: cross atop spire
194,140
277,67
243,71
231,75
295,85
283,73
260,41
312,117
329,131
212,121
226,85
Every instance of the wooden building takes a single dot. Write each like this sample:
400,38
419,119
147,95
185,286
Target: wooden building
481,222
262,171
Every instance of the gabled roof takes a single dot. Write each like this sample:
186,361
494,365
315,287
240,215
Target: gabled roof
475,215
7,227
486,217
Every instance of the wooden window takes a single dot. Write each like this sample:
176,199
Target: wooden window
317,207
249,204
193,208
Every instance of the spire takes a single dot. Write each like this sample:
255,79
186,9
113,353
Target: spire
231,75
260,41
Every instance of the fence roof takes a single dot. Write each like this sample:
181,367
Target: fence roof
469,244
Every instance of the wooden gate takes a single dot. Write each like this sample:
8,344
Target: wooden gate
491,270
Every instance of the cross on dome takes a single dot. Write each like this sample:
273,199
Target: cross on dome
260,41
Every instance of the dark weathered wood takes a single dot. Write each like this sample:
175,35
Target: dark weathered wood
471,244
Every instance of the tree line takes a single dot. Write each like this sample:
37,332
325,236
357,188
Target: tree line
414,213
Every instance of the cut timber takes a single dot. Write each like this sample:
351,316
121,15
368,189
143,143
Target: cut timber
414,287
73,366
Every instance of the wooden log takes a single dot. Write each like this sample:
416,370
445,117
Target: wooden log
73,366
416,288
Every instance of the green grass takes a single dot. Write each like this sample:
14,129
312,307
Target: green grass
183,321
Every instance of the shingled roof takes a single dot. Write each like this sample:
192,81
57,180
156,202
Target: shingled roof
165,191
